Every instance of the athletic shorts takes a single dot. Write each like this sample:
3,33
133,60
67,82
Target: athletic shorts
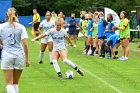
46,40
9,63
102,38
36,25
72,32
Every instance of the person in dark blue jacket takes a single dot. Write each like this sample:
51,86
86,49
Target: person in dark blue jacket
72,28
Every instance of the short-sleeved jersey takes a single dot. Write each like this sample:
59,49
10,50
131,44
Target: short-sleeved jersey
47,25
95,29
58,38
90,25
125,33
11,37
101,28
36,18
109,27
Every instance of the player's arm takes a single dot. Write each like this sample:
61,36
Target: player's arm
42,35
40,30
69,41
112,30
24,37
38,37
124,25
25,46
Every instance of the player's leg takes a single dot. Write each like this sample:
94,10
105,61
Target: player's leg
7,67
75,38
123,52
8,75
126,47
17,74
42,50
55,57
63,55
50,48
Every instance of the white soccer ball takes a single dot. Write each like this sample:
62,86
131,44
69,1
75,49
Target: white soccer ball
69,74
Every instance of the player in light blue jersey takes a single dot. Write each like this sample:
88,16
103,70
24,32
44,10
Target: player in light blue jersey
59,47
12,62
113,43
46,24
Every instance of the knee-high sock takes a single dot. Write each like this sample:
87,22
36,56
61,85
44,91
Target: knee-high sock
56,66
41,55
50,54
69,63
10,89
16,87
87,48
93,50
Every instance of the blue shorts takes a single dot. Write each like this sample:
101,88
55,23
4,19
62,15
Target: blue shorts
72,32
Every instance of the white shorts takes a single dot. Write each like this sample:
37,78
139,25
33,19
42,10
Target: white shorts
9,63
46,40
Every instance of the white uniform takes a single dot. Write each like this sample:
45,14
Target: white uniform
46,26
58,38
12,52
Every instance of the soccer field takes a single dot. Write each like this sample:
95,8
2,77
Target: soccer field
101,75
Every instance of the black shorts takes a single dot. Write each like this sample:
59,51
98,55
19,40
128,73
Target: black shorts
102,38
36,25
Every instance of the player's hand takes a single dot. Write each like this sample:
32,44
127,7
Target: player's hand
91,30
114,27
0,46
105,31
30,23
27,63
33,40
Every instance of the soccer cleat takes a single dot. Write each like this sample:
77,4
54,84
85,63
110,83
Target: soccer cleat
51,63
40,62
59,74
115,57
79,71
74,46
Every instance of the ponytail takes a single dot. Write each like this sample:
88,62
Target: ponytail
12,16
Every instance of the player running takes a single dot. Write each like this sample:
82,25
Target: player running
59,48
12,63
46,24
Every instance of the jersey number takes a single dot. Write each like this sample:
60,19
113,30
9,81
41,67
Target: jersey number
11,39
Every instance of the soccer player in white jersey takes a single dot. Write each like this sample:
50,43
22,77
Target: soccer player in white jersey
59,47
12,34
46,24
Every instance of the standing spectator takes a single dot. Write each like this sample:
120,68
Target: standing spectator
54,16
124,35
72,28
101,35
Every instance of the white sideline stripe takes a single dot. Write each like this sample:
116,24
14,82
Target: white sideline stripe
93,75
102,80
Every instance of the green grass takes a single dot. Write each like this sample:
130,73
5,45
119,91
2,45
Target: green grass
101,75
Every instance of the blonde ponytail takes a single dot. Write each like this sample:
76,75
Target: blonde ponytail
12,17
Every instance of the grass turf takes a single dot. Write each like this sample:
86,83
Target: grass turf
101,75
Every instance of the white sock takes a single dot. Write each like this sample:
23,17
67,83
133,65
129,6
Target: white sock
56,66
16,87
10,89
68,62
50,54
41,55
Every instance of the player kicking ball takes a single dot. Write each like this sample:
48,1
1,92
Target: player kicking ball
59,48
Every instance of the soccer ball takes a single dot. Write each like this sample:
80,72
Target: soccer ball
69,74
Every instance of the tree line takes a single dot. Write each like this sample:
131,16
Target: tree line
24,7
